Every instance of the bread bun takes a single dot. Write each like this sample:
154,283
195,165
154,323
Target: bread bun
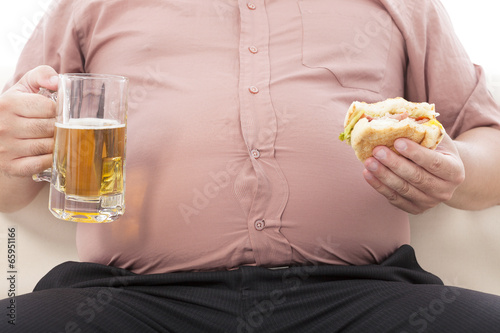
367,126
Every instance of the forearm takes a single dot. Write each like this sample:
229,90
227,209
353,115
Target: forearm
17,192
480,153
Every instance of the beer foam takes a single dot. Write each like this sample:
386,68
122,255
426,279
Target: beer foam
90,123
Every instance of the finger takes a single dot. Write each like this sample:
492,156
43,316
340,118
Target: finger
36,106
27,105
406,176
16,154
28,166
395,183
442,163
30,128
391,195
410,180
36,147
40,77
28,118
36,129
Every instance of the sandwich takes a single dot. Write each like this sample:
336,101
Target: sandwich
367,126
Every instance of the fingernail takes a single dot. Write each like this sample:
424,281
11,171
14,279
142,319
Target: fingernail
372,166
380,154
54,79
400,145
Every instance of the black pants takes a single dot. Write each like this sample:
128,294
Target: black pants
395,296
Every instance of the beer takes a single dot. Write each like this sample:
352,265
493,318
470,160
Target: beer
87,178
89,157
88,170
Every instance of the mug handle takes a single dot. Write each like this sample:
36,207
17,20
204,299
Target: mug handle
45,175
48,93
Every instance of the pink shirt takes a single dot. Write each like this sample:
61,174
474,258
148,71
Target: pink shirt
233,154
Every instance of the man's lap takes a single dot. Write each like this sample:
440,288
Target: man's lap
396,296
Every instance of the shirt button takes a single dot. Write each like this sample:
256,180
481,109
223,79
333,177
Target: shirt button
254,90
253,49
260,225
255,153
251,6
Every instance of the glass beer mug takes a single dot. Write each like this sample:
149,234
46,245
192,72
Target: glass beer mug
87,178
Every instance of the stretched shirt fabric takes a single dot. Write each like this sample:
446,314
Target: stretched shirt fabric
233,154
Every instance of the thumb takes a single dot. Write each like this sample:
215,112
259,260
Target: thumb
40,77
447,145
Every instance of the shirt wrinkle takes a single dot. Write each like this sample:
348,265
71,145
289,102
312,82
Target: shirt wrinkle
233,155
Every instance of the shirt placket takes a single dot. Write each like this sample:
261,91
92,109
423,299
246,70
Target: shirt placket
259,128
